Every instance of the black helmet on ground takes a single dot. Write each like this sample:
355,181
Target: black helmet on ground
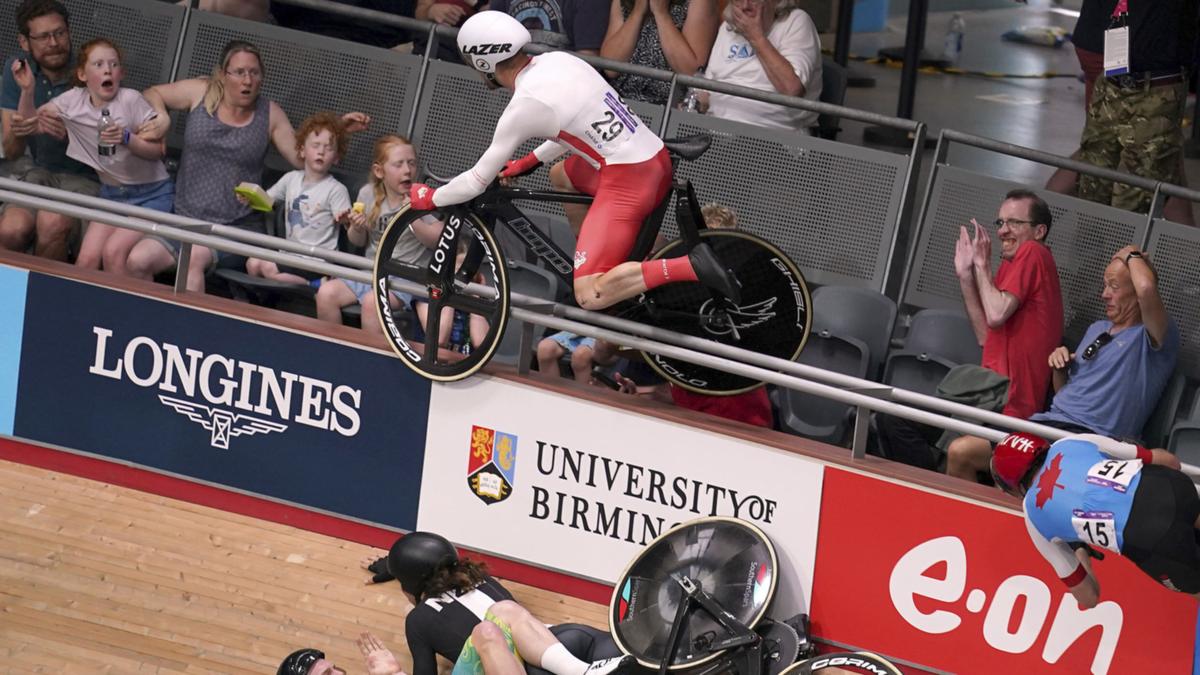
300,661
416,557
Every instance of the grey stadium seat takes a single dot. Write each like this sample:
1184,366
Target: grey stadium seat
937,341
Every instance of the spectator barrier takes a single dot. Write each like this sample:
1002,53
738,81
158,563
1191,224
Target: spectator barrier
864,394
308,425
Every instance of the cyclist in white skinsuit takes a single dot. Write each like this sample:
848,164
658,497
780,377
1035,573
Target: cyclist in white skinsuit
616,158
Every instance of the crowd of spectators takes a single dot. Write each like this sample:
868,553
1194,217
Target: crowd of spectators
1017,316
53,99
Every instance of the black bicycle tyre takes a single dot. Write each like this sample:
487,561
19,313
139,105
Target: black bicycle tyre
621,589
436,370
772,260
863,661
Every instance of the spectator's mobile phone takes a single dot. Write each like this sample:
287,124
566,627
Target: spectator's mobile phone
20,64
602,377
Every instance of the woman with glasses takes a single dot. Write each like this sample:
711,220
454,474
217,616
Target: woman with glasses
230,126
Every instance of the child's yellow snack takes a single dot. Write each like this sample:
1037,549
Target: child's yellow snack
358,207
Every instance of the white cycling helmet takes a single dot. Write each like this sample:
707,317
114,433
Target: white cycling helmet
491,37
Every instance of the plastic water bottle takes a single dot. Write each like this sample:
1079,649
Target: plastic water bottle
107,150
953,44
691,100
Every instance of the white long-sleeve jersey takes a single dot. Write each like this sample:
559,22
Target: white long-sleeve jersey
558,96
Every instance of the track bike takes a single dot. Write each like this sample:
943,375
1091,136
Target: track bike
467,271
695,600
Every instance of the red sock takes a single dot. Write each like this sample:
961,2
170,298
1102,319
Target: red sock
666,271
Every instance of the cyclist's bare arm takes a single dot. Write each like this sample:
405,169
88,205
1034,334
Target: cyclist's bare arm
524,118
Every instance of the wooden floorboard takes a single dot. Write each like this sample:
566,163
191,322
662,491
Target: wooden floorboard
96,578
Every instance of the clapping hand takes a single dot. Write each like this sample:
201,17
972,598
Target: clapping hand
982,248
963,254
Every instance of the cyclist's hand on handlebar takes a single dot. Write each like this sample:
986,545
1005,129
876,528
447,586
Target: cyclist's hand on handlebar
516,168
421,196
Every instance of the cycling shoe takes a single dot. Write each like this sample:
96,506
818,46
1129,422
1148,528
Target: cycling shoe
713,274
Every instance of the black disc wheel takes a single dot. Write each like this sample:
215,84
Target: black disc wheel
730,559
773,318
466,282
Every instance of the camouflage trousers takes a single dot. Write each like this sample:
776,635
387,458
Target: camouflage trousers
1136,131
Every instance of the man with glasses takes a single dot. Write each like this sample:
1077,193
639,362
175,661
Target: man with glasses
1017,318
45,38
1113,381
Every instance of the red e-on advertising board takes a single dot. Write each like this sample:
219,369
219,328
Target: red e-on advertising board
958,586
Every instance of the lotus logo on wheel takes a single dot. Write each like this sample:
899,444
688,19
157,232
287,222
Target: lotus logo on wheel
491,464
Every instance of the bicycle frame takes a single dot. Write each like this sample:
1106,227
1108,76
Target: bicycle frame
497,206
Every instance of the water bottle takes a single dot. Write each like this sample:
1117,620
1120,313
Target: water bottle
691,100
106,150
954,38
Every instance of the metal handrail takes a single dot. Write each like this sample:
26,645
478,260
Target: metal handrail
855,114
1042,157
865,394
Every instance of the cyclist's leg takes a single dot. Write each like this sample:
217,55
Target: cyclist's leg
565,177
1160,536
490,649
494,648
539,647
625,195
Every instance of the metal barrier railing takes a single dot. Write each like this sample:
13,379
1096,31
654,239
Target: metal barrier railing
865,395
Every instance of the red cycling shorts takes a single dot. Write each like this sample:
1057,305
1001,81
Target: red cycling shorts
625,194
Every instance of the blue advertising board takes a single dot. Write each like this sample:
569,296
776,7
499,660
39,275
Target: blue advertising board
221,400
12,309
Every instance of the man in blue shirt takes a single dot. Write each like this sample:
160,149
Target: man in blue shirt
45,38
1112,383
1091,491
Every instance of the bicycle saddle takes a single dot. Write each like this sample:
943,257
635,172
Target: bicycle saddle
688,147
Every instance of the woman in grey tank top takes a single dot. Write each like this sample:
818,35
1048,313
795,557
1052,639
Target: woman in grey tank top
229,128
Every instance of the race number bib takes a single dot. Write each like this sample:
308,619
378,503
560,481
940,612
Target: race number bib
613,122
1096,528
1115,474
1116,51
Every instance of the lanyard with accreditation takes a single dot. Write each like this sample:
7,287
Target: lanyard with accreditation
1116,41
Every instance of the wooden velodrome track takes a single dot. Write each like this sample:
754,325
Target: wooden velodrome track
96,578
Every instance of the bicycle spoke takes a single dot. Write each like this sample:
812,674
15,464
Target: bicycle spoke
481,263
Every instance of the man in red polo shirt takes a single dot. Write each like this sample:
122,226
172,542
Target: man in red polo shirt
1017,315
